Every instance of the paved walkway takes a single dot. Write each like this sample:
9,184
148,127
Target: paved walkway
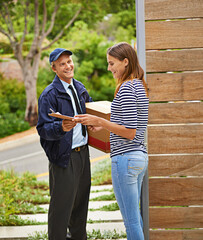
108,220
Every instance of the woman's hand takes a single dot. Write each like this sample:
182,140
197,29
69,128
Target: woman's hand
94,121
87,119
94,129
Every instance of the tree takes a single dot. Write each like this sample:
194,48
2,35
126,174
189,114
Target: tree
29,63
27,23
121,5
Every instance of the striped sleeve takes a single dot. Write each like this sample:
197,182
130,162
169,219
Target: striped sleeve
127,96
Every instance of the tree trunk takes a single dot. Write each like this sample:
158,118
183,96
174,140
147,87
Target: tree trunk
30,63
30,72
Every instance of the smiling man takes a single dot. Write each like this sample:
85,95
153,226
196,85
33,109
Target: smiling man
65,144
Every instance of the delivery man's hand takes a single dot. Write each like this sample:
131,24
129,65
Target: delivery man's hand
67,125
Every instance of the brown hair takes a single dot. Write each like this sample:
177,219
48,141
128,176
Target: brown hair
124,50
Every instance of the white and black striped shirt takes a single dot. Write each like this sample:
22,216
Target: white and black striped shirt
130,109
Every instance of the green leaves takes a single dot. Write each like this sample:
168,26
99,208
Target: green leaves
19,195
97,234
12,101
101,172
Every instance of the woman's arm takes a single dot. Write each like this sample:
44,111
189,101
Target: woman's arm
87,119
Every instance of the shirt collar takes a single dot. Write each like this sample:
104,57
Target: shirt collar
65,84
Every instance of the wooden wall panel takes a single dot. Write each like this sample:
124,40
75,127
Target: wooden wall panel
170,61
174,34
175,131
175,191
192,234
170,9
186,112
165,139
176,165
176,217
175,86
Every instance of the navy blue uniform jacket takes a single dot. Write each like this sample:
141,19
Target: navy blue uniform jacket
56,143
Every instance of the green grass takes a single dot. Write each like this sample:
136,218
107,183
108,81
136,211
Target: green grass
15,220
102,190
22,194
94,234
38,236
101,172
107,197
97,234
110,207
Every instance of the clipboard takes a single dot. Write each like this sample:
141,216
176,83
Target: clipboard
59,115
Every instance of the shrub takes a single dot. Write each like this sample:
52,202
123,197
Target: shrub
11,123
12,93
13,102
5,48
5,108
45,77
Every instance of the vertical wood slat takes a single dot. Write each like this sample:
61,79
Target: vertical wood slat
168,139
176,165
185,234
170,61
164,140
167,113
176,217
177,191
175,86
172,9
174,34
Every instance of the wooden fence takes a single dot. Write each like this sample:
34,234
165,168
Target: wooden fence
174,65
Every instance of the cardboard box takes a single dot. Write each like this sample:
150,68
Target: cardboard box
100,139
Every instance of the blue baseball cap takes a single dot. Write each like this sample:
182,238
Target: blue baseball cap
57,53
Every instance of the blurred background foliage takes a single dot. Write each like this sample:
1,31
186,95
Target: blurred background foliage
12,110
100,25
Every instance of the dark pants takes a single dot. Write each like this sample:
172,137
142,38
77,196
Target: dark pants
69,189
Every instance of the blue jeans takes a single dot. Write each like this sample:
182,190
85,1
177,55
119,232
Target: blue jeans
128,170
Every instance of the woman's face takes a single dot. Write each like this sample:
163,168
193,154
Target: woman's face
116,66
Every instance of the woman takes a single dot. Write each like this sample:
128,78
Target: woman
129,117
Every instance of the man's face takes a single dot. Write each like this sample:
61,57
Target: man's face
64,67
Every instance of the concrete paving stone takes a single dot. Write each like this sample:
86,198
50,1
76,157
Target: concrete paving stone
98,194
101,187
99,204
104,216
118,226
22,232
42,217
44,206
92,215
92,204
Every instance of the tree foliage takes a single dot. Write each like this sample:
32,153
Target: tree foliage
38,23
86,27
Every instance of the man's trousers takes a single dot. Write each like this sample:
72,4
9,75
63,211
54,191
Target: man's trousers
69,190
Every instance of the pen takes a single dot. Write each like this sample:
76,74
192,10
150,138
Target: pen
52,110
